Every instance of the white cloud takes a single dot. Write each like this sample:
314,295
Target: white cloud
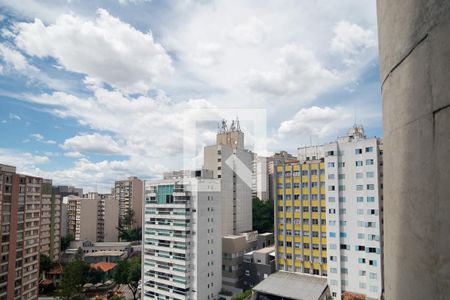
16,60
73,154
125,2
40,138
4,121
23,160
351,41
37,136
297,71
106,49
14,117
252,31
93,143
316,121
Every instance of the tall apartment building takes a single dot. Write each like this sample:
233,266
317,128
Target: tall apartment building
277,158
182,237
230,162
50,233
65,190
20,198
300,217
260,177
94,217
353,166
129,194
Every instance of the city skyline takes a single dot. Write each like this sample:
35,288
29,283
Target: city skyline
62,117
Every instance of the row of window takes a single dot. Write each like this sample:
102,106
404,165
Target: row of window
359,199
305,233
304,197
359,187
358,175
305,221
361,260
304,209
358,163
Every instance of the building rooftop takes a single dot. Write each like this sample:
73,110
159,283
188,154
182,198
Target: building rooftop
293,286
104,266
105,253
265,250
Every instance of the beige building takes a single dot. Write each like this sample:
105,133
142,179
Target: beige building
232,163
94,217
50,235
21,198
129,193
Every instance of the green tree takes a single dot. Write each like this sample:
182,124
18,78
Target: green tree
94,276
129,272
262,215
74,277
130,235
45,263
65,242
243,295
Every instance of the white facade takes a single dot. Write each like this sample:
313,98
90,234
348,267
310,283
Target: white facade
182,239
260,177
230,162
354,215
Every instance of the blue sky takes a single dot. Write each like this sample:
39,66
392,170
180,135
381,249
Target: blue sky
94,91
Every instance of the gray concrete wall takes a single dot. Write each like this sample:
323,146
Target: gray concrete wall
414,41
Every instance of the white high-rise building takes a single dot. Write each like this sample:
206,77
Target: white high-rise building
353,170
260,177
232,163
182,237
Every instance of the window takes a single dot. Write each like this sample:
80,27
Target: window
370,174
330,176
359,175
342,187
333,246
372,263
369,161
361,260
373,275
360,211
342,211
359,199
333,270
333,234
362,285
333,282
333,258
345,247
362,273
341,164
344,270
343,234
359,163
344,258
360,248
342,199
331,223
370,186
358,151
332,211
370,199
372,212
331,188
359,187
369,149
331,199
361,236
373,289
343,223
330,165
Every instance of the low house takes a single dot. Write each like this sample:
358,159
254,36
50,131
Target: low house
104,256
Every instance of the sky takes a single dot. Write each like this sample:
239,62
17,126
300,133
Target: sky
96,91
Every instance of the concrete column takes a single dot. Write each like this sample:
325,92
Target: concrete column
414,40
